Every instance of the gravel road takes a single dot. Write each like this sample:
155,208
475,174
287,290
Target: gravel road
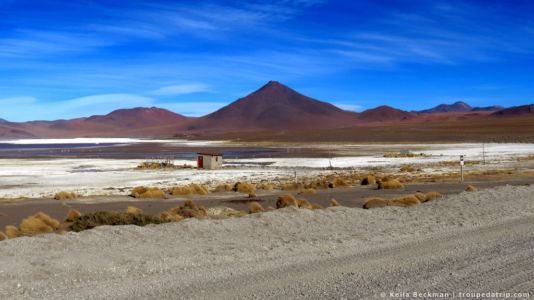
468,243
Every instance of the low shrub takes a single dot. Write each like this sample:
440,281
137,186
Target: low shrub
222,188
420,196
334,203
3,236
316,206
92,220
265,186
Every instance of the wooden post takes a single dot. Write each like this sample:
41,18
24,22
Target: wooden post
462,168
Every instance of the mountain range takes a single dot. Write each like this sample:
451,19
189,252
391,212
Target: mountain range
272,108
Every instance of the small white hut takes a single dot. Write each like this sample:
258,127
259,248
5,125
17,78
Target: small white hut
209,161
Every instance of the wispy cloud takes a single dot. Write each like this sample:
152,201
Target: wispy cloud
181,89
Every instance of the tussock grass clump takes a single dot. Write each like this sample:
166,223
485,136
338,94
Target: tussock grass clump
432,195
37,224
303,203
222,188
286,201
407,169
245,188
265,186
340,182
65,196
390,184
374,203
147,192
171,217
368,180
291,186
307,191
404,201
316,206
3,236
12,232
189,210
92,220
334,203
134,210
189,189
255,207
72,215
471,188
420,196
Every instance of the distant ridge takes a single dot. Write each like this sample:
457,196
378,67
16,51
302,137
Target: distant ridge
459,106
516,111
385,113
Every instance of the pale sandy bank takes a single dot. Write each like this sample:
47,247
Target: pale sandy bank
469,242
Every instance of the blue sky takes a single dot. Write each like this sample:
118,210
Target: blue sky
65,59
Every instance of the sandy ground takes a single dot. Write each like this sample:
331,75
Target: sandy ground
471,242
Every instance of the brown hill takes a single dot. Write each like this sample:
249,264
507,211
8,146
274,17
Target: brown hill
516,111
385,114
274,107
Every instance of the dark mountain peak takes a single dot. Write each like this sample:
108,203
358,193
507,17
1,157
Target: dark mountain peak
458,106
277,106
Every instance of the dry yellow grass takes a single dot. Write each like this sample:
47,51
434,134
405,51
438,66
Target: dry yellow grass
407,169
390,184
147,192
368,180
374,203
286,200
134,210
255,207
340,182
189,189
169,216
404,201
334,203
73,215
471,188
190,204
64,196
291,186
316,206
37,224
12,231
320,184
265,186
303,203
308,191
420,196
432,195
3,237
222,188
245,188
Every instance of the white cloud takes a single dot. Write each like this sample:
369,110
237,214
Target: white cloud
29,108
181,89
